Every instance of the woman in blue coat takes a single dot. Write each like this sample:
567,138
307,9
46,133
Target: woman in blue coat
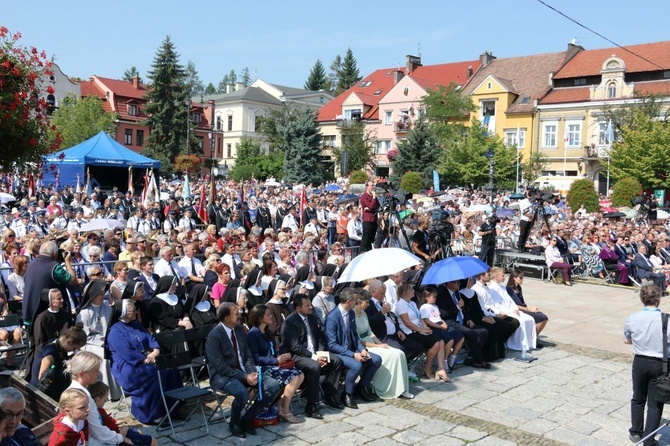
134,353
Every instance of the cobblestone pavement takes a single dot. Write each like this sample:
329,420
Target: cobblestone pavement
576,393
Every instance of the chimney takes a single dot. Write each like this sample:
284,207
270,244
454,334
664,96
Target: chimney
551,78
239,86
136,82
486,58
228,88
397,76
469,72
413,62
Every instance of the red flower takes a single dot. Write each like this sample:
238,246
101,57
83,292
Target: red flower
3,31
50,89
32,142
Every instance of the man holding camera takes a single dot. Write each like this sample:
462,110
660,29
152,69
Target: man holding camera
369,205
487,232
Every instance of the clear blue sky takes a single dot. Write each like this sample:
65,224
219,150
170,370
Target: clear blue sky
280,41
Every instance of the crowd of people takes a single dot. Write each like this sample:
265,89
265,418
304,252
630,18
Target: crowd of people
261,264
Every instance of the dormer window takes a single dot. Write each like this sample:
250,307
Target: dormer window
132,110
611,90
197,117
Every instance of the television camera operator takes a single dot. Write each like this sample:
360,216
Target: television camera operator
487,231
421,242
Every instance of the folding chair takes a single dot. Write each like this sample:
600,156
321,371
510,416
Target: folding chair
188,395
9,321
169,339
219,395
193,335
553,274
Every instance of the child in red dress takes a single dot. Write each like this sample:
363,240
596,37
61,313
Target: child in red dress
70,425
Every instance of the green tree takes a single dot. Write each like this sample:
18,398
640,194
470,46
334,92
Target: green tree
624,191
267,127
583,192
317,79
642,151
359,145
166,104
334,74
412,182
251,162
419,153
625,115
302,147
78,119
245,77
464,160
130,73
358,177
232,77
221,88
194,85
349,73
447,109
536,163
210,89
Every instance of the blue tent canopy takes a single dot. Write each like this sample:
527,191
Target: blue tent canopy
101,151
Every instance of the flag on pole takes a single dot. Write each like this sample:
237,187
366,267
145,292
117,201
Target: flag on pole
146,186
57,183
131,188
89,186
609,133
31,185
202,211
151,190
78,188
303,205
240,196
187,188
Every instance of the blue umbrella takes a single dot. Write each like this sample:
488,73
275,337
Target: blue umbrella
504,213
348,198
454,268
332,188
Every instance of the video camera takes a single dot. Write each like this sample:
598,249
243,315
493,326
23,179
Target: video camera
535,195
439,225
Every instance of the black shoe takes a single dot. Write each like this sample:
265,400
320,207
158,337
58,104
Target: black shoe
236,430
331,401
348,401
312,411
248,427
367,395
539,345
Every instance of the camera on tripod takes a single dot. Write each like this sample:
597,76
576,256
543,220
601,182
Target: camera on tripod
439,225
536,196
493,220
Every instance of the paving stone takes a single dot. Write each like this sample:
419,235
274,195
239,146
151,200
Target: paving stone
492,441
466,433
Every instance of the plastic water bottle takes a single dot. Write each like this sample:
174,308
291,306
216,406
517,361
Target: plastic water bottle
524,351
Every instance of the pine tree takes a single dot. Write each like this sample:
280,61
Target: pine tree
418,153
246,77
317,78
210,89
221,89
130,73
232,77
302,147
166,104
334,74
194,85
349,74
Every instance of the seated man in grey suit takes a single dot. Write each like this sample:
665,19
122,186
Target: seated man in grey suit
645,269
233,370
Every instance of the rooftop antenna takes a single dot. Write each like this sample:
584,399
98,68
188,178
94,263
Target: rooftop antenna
419,49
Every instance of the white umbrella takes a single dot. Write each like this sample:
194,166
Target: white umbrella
479,208
271,182
101,224
6,198
520,205
456,191
661,215
378,262
447,197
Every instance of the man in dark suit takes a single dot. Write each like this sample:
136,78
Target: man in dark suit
645,269
385,326
233,370
302,338
343,340
452,309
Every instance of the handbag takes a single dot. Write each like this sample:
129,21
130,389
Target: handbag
663,382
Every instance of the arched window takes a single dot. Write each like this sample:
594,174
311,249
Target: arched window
611,90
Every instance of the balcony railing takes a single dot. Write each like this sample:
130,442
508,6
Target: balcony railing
346,123
401,127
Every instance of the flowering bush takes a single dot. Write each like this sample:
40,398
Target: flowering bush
25,132
392,154
187,163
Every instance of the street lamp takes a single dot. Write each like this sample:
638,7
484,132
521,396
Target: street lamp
187,101
490,153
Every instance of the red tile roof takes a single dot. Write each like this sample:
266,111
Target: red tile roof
562,95
525,76
123,88
89,88
429,76
657,87
589,62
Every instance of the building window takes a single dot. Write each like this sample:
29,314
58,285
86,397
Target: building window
573,134
230,123
257,122
128,139
132,110
229,150
218,123
382,146
328,141
602,133
549,134
611,90
515,137
200,144
580,81
219,147
388,117
352,115
139,138
488,108
197,118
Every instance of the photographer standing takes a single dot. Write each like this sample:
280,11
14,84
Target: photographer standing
421,243
644,330
369,205
487,232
